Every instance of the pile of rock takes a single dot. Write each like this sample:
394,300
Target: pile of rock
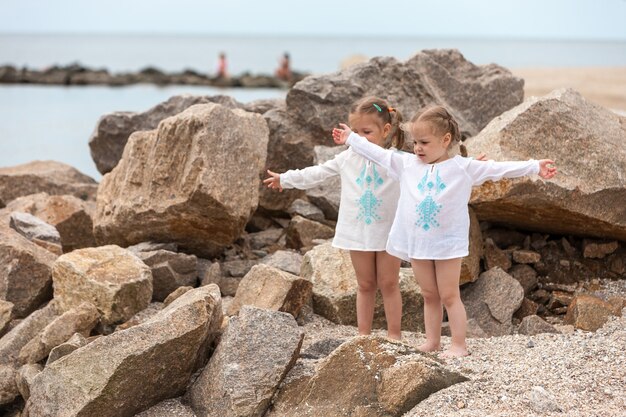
182,273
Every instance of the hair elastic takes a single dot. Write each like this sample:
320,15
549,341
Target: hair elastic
391,109
378,108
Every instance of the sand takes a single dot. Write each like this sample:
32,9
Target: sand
602,85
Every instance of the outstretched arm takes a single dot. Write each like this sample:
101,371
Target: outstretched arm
491,170
306,177
387,158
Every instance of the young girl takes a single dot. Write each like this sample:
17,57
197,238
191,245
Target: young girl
368,203
431,225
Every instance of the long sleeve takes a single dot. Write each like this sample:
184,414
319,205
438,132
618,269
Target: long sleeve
311,176
392,160
480,171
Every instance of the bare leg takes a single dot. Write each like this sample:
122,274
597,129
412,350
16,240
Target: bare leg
387,277
448,272
364,264
424,271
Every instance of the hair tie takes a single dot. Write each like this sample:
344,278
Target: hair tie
378,108
391,109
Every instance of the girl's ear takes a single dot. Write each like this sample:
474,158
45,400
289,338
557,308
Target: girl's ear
386,129
447,138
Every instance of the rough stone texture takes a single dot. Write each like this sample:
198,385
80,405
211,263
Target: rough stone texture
366,376
586,197
144,315
71,216
168,408
270,288
533,324
265,238
301,232
492,300
117,282
526,256
505,238
24,378
593,249
25,272
6,310
209,272
112,131
327,195
470,266
13,341
76,341
33,228
284,260
170,270
81,319
528,308
175,294
255,353
334,290
526,276
102,378
44,176
496,257
193,181
305,209
587,312
474,95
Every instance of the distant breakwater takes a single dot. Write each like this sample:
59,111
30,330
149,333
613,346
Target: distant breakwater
76,74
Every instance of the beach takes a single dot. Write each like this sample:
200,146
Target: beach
605,86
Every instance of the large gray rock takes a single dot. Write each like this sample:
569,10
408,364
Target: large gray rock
586,197
37,231
284,260
113,129
193,181
335,286
492,300
255,353
272,289
71,216
117,282
25,272
474,95
366,376
44,176
131,370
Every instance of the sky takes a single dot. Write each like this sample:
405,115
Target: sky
520,19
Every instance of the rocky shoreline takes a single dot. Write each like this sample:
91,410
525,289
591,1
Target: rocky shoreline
76,75
224,298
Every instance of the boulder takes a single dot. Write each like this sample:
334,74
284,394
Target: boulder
585,198
170,270
335,286
129,371
25,376
272,289
6,310
526,276
25,272
366,376
284,260
176,183
474,95
534,324
37,231
71,216
255,353
44,176
496,257
470,265
75,342
301,232
112,130
587,312
305,209
117,282
492,300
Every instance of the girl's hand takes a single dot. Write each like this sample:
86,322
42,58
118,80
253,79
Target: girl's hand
546,171
482,157
273,181
341,133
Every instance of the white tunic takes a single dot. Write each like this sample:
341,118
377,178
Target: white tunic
368,198
432,219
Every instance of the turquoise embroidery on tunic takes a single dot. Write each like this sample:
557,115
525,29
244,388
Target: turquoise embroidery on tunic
428,209
368,203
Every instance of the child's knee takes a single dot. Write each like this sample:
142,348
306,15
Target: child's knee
449,300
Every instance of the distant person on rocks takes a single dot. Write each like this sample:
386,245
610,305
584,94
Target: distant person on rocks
431,224
284,69
222,71
368,203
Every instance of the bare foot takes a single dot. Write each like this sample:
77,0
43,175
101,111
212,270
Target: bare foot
454,352
429,347
394,336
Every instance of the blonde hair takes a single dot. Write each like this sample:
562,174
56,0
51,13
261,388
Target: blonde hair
440,119
386,114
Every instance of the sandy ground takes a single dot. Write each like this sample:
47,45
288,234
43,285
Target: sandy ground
603,85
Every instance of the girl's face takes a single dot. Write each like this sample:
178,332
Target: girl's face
369,126
429,147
